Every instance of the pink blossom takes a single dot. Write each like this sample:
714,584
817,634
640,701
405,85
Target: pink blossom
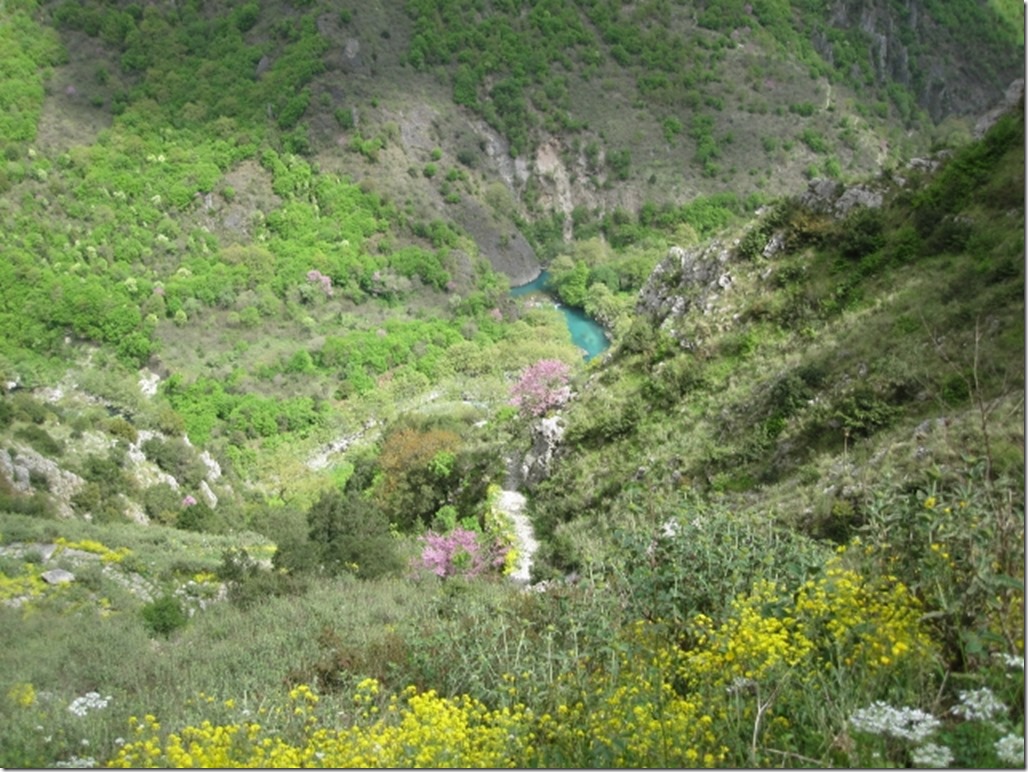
542,387
317,277
453,554
188,501
496,314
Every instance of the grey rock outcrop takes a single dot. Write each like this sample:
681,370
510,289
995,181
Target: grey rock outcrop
61,483
906,44
1013,95
547,435
685,281
835,199
500,242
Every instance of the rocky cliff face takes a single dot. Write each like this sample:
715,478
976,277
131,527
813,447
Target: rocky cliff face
907,44
695,281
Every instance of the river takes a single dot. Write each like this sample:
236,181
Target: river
585,332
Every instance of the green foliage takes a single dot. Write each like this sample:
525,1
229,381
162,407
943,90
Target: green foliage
164,616
162,503
29,51
206,405
249,583
40,440
703,554
814,140
569,279
620,162
176,458
348,533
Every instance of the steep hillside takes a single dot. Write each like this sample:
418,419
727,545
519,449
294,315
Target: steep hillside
514,122
277,443
777,366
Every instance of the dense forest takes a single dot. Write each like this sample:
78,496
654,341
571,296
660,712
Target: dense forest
290,477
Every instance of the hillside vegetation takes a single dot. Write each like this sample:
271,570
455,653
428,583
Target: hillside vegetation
266,399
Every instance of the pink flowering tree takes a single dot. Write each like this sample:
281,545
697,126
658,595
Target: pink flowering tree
325,282
542,387
455,553
461,552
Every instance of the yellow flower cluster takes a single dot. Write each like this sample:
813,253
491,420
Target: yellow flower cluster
630,712
757,636
646,701
424,730
635,718
869,622
840,619
107,555
22,694
26,585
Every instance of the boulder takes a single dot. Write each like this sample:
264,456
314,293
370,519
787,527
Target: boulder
57,576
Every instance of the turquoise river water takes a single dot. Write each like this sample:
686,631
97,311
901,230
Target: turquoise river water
585,333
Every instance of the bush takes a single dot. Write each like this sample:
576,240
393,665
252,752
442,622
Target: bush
40,440
176,458
161,503
348,534
164,616
697,561
248,583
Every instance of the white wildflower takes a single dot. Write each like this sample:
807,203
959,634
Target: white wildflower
883,719
77,762
1012,661
80,706
980,704
931,756
1010,750
670,528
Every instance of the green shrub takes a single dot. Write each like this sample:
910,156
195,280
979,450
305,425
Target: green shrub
27,408
704,555
176,458
161,503
164,616
40,440
347,533
122,429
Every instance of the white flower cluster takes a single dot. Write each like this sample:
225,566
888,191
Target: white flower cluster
931,756
883,719
77,762
80,706
1012,661
1010,750
978,705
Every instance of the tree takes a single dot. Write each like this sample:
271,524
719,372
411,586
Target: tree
542,387
347,533
419,473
